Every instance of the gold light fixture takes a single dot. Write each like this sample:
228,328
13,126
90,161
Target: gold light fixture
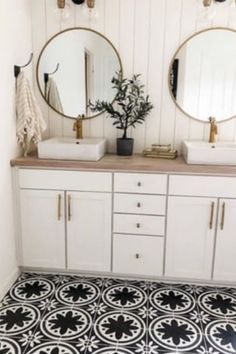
208,3
91,4
61,4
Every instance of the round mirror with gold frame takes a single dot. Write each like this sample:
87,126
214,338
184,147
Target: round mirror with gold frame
202,75
76,67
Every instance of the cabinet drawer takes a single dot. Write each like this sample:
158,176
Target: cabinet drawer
139,224
65,180
140,183
140,255
140,204
201,186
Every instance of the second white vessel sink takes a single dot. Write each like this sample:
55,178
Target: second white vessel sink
199,152
88,149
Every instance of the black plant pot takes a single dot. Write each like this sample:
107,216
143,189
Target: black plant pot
125,146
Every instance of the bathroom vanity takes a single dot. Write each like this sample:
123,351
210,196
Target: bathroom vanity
129,216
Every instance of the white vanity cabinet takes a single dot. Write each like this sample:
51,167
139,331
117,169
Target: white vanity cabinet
225,254
42,228
69,227
139,223
201,228
89,231
190,237
175,226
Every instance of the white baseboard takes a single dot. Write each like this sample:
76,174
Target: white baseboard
162,279
8,283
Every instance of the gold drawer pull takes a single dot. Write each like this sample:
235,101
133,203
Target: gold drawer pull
139,184
138,205
69,208
212,215
137,256
138,225
222,224
59,207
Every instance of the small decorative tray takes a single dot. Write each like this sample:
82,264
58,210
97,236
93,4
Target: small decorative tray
160,152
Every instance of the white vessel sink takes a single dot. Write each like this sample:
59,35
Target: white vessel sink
88,149
198,152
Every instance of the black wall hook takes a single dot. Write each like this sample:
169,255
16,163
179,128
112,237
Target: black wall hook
18,68
46,75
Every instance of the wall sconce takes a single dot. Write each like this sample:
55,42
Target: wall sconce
209,8
64,9
61,4
91,4
207,3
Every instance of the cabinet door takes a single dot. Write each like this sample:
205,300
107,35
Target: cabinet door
190,237
89,231
225,257
43,228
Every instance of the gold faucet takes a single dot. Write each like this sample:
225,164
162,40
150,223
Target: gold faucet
213,130
78,127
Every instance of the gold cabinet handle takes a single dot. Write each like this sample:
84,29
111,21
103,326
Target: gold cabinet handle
139,184
222,224
59,207
137,256
138,225
138,205
212,215
69,208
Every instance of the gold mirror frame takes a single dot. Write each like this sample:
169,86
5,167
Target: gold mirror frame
171,65
57,35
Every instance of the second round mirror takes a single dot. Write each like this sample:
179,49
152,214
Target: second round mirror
203,75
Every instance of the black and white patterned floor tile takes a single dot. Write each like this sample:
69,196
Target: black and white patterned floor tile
218,304
69,314
124,296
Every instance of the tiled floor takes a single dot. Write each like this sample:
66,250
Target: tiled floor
57,314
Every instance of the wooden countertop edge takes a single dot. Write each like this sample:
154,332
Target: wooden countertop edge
136,163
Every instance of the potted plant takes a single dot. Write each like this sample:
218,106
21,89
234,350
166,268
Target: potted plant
129,108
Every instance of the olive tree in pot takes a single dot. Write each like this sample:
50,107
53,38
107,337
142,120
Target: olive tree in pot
129,108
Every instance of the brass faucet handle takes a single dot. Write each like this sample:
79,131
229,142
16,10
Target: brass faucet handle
75,126
212,119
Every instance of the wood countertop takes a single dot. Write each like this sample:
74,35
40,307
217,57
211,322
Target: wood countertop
135,163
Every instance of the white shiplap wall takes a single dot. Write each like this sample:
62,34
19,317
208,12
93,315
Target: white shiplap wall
146,33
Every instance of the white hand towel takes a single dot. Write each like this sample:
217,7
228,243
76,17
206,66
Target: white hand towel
30,122
53,96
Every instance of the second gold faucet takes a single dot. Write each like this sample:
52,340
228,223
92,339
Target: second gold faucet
78,127
213,130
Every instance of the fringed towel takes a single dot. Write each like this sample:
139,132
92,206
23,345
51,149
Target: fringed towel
53,96
30,122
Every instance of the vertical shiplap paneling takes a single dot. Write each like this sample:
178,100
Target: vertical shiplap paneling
196,128
67,124
146,33
38,11
188,27
141,59
226,18
97,124
232,24
53,27
155,68
112,32
172,39
83,19
126,41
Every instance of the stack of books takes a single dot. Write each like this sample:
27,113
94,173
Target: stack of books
161,152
